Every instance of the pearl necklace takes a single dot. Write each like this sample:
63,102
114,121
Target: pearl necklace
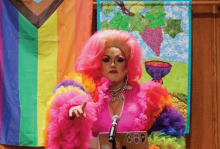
117,94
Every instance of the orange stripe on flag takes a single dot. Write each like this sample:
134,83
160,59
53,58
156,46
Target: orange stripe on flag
84,11
66,38
74,29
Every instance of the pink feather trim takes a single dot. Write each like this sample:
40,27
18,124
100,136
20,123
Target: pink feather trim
70,134
141,120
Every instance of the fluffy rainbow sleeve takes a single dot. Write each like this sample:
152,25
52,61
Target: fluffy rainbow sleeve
60,131
165,124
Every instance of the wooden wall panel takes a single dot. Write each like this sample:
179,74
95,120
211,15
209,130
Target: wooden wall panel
5,147
218,72
205,64
201,105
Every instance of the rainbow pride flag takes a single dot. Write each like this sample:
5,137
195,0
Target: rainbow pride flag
40,41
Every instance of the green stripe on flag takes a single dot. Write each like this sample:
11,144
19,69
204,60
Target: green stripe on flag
28,63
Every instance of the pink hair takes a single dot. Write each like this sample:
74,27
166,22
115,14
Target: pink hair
91,55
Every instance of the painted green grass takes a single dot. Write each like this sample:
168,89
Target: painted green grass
176,81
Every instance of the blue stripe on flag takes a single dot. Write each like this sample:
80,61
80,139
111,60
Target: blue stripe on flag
11,107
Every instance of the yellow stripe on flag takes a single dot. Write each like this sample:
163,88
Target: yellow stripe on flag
47,68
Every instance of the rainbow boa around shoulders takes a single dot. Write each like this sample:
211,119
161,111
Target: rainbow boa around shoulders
75,89
164,123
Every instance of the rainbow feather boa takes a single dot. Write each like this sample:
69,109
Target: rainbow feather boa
165,125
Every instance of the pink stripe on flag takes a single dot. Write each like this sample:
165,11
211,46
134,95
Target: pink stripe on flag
1,71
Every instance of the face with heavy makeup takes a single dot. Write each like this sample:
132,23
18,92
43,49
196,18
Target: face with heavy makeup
114,65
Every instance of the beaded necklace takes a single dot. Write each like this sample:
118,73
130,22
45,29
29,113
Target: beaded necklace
117,94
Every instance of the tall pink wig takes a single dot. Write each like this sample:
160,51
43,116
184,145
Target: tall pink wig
91,57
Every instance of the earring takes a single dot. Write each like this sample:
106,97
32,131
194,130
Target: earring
128,86
126,78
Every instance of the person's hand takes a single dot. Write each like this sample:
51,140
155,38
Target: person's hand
77,111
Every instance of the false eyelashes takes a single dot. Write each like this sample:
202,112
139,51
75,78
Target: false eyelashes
106,59
119,59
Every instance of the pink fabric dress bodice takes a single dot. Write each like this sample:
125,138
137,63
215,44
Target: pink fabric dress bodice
127,117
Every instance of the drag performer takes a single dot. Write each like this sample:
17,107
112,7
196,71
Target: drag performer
105,83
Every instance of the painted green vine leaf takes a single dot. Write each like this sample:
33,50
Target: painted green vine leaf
138,23
106,25
156,21
107,8
155,7
120,22
173,27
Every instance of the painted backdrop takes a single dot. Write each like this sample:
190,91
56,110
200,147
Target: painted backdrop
163,29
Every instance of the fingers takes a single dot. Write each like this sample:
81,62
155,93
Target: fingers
70,112
83,106
78,111
84,115
83,109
